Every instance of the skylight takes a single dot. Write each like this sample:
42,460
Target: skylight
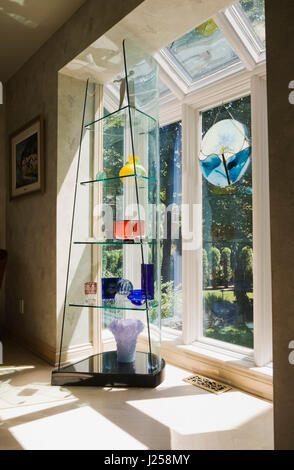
229,44
255,14
163,89
201,52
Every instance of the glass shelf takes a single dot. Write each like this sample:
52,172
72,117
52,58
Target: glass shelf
229,240
140,179
117,131
116,242
108,365
153,122
112,306
104,370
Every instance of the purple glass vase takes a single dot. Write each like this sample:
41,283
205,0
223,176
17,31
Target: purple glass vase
126,333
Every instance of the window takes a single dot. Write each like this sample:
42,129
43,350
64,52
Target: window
112,256
254,13
171,199
220,305
202,51
227,256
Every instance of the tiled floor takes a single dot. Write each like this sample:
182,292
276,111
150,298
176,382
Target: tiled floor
176,415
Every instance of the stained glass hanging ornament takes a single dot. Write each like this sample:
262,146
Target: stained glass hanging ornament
225,152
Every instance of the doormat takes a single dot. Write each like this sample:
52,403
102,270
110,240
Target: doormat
207,384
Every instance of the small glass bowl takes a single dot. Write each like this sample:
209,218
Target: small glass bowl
138,297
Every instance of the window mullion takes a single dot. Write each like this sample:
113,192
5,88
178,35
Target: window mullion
191,222
96,229
261,225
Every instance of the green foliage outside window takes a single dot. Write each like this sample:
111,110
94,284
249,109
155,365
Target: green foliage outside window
227,241
255,9
205,268
215,266
247,264
226,270
112,262
170,193
113,143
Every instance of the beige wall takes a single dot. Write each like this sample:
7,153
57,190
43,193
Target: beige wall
31,220
3,185
280,66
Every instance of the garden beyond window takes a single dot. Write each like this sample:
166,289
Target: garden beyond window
227,256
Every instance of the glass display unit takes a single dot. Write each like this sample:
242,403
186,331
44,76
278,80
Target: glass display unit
113,292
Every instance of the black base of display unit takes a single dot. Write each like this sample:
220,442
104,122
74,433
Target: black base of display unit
103,370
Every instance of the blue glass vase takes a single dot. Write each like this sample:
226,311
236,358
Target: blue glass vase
147,279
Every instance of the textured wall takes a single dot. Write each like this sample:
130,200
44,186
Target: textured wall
280,71
3,185
31,220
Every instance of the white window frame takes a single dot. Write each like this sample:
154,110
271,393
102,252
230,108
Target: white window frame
236,17
189,110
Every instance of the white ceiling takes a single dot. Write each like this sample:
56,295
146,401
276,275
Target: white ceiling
27,24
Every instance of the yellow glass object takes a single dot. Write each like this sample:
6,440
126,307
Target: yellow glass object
207,29
129,169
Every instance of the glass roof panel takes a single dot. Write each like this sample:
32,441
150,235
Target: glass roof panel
255,13
202,51
163,89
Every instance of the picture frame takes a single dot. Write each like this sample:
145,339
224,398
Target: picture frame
27,159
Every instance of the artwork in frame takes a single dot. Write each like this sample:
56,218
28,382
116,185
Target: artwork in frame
27,159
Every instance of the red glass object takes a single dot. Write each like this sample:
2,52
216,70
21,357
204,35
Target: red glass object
90,288
128,229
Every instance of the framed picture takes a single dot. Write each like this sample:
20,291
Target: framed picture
27,159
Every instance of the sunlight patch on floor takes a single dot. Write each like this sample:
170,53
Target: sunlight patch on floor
203,412
80,428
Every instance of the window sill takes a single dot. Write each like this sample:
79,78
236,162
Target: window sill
234,368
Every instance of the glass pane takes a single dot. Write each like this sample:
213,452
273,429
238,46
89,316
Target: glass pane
171,199
163,89
255,13
108,364
227,247
142,91
142,79
202,51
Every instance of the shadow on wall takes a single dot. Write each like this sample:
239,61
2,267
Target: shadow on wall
78,320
